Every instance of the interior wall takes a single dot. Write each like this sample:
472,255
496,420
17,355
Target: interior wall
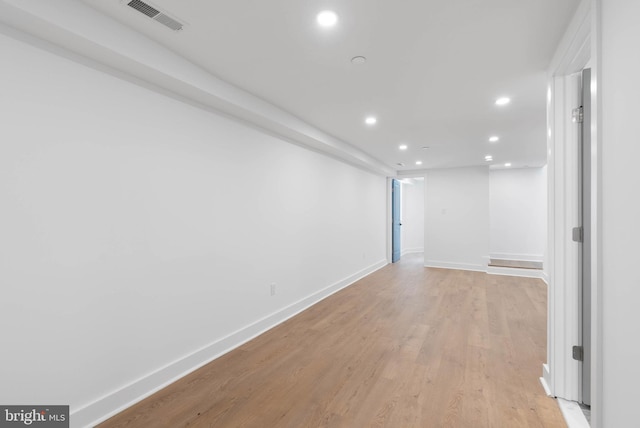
139,230
457,218
412,215
620,289
518,207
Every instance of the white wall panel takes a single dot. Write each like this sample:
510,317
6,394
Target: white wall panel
518,206
620,127
138,230
457,218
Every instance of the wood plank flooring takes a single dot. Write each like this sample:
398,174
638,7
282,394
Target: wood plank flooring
405,347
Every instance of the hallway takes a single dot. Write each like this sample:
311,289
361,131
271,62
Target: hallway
406,346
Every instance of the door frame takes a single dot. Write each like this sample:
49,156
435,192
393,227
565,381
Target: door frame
561,375
400,176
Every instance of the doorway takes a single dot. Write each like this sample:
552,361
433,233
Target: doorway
396,221
574,355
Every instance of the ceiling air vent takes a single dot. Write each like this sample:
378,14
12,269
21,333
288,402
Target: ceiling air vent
154,13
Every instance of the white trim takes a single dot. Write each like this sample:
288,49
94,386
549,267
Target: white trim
545,379
572,413
118,400
545,386
564,275
574,50
454,265
518,257
523,273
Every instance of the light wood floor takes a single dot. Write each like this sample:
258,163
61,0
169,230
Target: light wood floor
405,347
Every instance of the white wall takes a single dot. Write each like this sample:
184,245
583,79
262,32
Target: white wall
412,215
457,218
518,207
137,230
620,127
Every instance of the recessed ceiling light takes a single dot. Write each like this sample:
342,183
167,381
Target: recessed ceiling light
358,60
494,139
488,158
503,101
327,18
371,120
402,147
508,164
418,162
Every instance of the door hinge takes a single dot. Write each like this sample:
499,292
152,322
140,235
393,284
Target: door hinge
577,234
578,353
577,115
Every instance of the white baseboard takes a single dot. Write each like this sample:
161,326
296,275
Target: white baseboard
545,386
115,402
525,273
412,251
546,379
518,257
454,265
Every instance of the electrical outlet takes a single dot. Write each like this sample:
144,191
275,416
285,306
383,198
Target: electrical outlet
273,289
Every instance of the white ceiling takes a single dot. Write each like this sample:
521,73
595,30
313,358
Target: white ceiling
434,69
